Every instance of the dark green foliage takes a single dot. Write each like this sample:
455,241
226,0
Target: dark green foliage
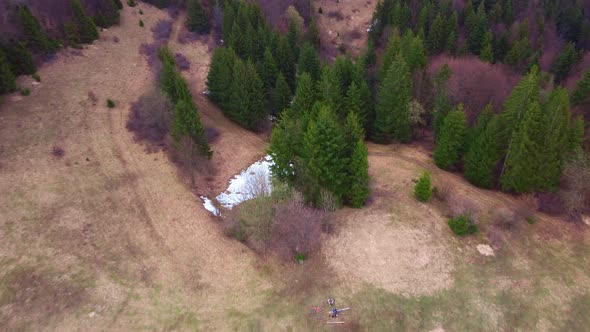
7,80
197,19
423,188
309,62
354,104
564,62
462,226
313,34
110,103
36,77
335,82
522,170
305,95
285,144
267,70
487,53
437,36
519,54
220,75
442,104
581,92
451,142
118,3
477,31
36,39
20,59
141,23
281,96
86,30
358,185
392,116
187,124
246,105
25,91
483,155
107,13
325,159
353,130
131,3
576,135
286,60
293,39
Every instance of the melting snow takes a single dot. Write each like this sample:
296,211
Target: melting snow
251,182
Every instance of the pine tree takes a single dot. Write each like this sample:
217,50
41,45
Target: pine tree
423,188
522,168
392,111
415,55
581,92
282,95
305,95
442,103
247,105
313,34
285,142
483,119
450,145
188,124
325,158
107,13
35,38
556,138
229,17
286,61
220,75
393,49
483,156
519,54
309,61
293,39
354,103
197,18
86,29
487,53
7,80
358,184
576,135
478,31
437,37
353,131
564,62
20,59
267,70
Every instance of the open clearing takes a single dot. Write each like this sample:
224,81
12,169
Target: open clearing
107,237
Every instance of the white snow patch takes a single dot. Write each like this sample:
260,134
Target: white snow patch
485,250
252,182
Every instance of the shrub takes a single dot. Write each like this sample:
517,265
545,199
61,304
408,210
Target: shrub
58,152
150,116
140,12
131,3
141,23
182,62
423,188
110,103
162,29
320,10
36,77
25,91
462,225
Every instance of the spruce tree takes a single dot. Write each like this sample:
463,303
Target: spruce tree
581,92
188,124
358,184
20,59
267,70
229,17
423,188
576,135
392,116
293,39
313,34
197,19
487,53
220,75
393,49
309,61
353,131
564,62
286,60
478,31
354,104
450,145
35,38
325,159
305,95
522,171
483,119
282,96
483,155
7,80
415,55
437,37
286,141
86,29
442,104
247,105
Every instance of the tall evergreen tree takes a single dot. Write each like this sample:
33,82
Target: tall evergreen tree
220,75
576,135
286,61
442,103
20,59
247,105
305,95
197,18
423,188
437,37
487,53
483,155
7,80
564,62
285,142
581,92
392,118
267,70
394,48
450,145
478,31
522,172
86,29
309,61
353,130
35,38
354,103
325,158
229,17
293,39
282,96
188,124
358,184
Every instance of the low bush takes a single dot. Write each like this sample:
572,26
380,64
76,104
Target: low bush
25,91
110,103
58,152
182,62
462,225
320,10
140,12
36,77
423,188
141,23
131,3
150,117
